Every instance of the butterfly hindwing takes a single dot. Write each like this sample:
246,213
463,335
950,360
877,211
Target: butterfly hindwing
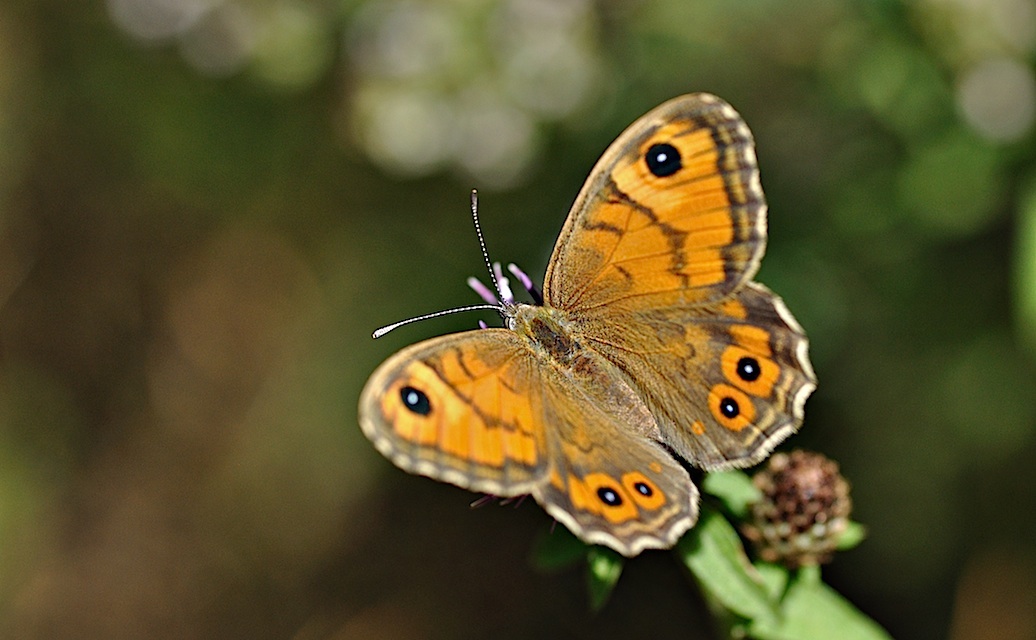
610,480
726,383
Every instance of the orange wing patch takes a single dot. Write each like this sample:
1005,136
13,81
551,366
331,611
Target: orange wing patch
755,339
678,224
450,426
734,308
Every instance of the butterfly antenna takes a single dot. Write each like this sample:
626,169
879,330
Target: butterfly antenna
482,243
395,325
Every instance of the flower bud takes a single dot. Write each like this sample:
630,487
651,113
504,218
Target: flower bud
803,511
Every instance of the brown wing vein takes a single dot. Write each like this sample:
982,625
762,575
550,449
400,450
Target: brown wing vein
578,294
469,400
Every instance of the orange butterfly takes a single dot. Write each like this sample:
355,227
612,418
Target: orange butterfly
653,344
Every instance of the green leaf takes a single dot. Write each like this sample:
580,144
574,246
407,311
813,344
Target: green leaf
811,610
852,536
775,578
713,553
734,489
605,567
558,549
808,575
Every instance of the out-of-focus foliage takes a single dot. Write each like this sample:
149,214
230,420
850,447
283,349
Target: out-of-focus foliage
206,206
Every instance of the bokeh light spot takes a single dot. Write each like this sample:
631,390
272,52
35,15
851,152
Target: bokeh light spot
498,140
466,85
998,98
156,19
408,132
221,42
293,47
403,39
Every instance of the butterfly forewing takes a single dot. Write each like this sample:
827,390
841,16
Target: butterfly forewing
672,214
461,408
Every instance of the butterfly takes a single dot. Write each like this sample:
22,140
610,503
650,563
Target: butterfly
653,348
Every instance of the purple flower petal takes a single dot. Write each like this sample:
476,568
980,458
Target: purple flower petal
483,291
503,284
526,281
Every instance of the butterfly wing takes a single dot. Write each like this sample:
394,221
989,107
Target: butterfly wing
456,408
726,382
483,411
672,214
654,266
610,481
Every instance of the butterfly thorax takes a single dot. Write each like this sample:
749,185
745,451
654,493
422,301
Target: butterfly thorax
547,330
555,336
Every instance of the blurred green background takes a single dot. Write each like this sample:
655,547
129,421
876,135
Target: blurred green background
207,205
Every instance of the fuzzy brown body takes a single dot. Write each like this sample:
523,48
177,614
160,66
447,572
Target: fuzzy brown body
555,339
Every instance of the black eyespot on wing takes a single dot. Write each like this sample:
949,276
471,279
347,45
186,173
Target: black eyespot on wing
644,489
415,400
663,159
609,496
748,369
729,408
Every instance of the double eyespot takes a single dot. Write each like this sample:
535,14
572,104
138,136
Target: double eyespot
663,159
617,499
749,371
641,491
